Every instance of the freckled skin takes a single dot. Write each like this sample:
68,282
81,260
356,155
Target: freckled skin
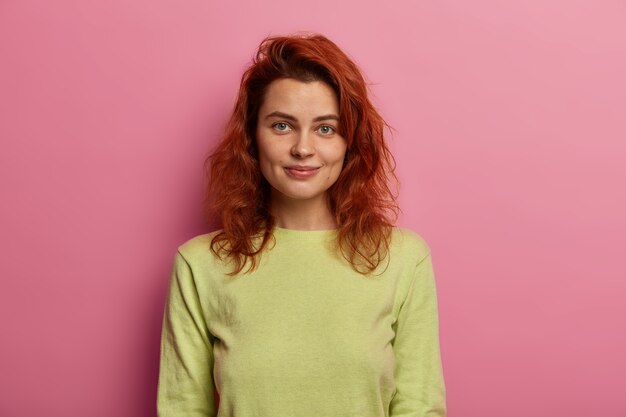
299,140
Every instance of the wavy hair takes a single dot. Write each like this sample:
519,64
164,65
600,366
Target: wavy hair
361,200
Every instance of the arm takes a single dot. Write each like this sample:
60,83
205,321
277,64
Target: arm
186,386
418,374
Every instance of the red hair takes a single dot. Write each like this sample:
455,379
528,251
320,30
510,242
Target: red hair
361,201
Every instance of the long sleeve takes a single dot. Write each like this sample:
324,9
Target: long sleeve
186,386
418,374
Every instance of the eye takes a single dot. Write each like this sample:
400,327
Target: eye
281,127
326,130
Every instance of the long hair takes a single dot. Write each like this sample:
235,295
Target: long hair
361,200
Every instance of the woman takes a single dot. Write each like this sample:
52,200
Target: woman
307,301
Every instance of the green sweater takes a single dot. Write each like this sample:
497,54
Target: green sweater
303,335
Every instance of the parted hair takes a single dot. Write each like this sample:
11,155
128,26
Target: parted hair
362,201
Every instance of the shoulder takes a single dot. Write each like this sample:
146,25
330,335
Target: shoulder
197,256
197,247
407,237
406,243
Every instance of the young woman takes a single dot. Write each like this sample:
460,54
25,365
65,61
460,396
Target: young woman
308,301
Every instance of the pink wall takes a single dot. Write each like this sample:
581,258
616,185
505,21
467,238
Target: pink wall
510,139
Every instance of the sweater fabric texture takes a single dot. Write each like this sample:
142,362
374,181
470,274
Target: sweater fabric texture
303,335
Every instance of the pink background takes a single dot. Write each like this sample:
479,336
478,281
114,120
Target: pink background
510,138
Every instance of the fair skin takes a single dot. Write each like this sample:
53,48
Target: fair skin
300,151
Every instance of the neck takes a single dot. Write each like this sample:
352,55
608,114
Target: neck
302,214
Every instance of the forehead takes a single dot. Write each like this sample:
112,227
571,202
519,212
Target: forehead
298,97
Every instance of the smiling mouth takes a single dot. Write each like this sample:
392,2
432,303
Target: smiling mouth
302,172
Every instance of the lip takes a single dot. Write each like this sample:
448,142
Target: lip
302,171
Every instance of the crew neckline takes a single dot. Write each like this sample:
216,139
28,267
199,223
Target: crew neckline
304,234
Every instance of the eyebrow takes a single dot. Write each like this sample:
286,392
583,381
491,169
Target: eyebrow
293,118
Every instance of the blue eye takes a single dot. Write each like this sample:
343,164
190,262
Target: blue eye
281,126
326,130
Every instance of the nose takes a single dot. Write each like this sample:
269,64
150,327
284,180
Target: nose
303,146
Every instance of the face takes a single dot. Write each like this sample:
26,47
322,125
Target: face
300,150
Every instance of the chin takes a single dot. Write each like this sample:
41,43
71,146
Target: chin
300,195
303,197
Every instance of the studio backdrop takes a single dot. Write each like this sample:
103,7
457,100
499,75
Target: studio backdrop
509,136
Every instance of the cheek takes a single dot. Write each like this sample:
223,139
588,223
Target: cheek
265,151
263,158
337,154
335,160
270,158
